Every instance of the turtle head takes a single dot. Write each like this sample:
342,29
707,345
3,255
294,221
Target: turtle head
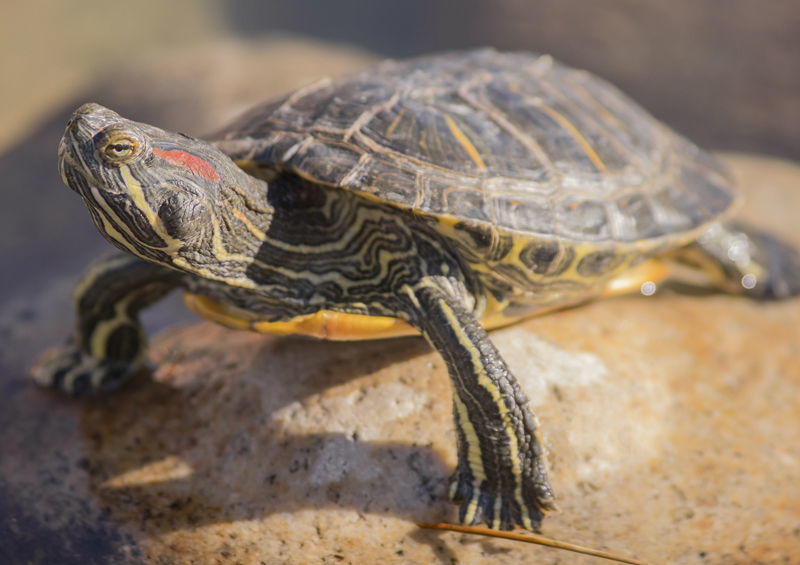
160,195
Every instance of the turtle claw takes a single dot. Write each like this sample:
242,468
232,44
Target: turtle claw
77,373
497,509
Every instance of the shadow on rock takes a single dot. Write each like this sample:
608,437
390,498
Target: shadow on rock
265,426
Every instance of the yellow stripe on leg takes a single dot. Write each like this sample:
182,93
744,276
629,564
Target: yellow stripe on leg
499,402
474,459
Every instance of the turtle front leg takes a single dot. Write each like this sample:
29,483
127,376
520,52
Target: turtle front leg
501,477
741,259
109,343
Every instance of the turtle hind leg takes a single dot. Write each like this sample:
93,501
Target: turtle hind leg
744,260
109,344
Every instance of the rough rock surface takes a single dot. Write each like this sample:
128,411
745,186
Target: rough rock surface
671,423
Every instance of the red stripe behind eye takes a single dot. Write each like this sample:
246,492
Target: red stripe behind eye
193,163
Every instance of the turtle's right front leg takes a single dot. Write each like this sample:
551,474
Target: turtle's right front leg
501,477
109,343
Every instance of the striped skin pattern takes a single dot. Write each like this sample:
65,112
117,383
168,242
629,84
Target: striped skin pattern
109,345
315,213
498,435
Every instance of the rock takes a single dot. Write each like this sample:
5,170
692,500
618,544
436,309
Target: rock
670,423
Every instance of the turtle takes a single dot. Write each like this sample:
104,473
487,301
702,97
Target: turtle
444,195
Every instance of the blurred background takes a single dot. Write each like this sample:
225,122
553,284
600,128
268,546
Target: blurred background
726,72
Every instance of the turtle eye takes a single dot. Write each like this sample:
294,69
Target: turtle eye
119,149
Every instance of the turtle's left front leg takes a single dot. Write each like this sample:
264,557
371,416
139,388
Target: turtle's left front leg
501,476
109,343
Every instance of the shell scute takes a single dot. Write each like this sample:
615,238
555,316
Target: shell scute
516,141
637,218
471,201
524,212
583,219
328,160
377,175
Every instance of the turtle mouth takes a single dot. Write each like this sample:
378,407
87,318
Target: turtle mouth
70,169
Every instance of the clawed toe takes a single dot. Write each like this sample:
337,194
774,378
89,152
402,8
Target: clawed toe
497,509
78,374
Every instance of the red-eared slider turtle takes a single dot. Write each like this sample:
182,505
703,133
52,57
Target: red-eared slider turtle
445,194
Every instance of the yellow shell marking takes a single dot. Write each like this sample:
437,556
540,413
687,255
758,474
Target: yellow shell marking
465,143
576,134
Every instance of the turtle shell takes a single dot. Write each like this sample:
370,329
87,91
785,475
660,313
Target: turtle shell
516,141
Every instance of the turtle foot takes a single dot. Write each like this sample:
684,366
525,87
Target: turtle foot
497,508
750,261
782,265
76,373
